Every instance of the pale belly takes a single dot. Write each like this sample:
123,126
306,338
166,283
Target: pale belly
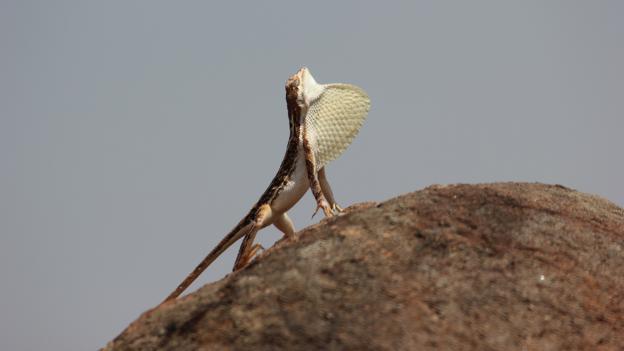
294,190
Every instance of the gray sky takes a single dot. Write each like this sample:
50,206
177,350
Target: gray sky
135,134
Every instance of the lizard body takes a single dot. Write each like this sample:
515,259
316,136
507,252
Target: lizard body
307,153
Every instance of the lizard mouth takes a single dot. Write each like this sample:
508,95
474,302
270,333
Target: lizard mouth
294,87
303,72
295,84
297,79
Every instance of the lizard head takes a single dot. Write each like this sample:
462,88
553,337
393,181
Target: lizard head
303,85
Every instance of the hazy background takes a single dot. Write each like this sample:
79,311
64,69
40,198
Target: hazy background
135,134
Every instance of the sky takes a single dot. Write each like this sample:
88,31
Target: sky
135,134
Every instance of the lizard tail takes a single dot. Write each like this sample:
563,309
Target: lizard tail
243,228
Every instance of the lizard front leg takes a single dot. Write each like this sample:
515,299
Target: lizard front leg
315,186
326,189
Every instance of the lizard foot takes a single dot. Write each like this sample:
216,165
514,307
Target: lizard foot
327,210
249,256
336,209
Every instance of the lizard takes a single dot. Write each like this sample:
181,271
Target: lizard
323,120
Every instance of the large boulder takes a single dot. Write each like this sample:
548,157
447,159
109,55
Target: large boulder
505,266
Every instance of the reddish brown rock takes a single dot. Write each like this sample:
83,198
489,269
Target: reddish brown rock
509,266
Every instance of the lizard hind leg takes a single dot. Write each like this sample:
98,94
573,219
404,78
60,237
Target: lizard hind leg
248,249
285,225
247,256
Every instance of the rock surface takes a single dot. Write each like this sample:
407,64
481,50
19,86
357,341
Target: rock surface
505,266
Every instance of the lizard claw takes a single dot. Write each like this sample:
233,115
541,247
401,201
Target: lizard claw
315,211
255,250
327,210
336,209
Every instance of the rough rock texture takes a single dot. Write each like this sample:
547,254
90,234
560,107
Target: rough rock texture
508,266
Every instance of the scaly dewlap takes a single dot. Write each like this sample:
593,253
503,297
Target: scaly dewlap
334,119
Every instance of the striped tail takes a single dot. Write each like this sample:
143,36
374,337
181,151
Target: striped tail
243,228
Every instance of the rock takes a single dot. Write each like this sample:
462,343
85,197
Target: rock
505,266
